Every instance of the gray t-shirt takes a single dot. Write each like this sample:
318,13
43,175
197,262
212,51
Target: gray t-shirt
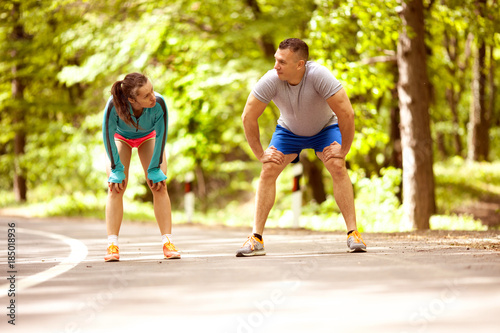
303,108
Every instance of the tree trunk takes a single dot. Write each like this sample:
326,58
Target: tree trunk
478,119
494,119
396,159
265,41
19,144
453,100
413,90
17,86
201,187
396,154
441,145
314,173
452,95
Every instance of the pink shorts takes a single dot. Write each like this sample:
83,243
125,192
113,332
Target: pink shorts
135,143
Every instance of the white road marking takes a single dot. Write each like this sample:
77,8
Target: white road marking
78,252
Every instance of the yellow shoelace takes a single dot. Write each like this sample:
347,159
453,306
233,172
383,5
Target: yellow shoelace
171,247
357,237
252,240
112,249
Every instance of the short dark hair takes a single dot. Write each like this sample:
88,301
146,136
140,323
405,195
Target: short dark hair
297,46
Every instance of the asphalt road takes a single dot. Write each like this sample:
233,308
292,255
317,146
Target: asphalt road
307,282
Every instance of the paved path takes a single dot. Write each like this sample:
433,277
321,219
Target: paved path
306,283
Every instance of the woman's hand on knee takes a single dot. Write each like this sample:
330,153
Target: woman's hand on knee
117,187
157,186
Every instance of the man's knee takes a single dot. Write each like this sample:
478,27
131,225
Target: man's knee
336,167
270,171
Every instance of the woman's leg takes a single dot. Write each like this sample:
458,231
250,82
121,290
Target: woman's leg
114,202
161,200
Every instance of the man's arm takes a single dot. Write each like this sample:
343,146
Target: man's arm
341,105
251,113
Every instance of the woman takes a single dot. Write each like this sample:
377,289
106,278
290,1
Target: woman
136,117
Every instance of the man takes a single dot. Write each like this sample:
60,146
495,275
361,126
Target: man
316,113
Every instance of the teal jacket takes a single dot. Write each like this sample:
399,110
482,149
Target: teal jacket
155,118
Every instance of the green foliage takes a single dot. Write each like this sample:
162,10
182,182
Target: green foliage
7,199
460,183
345,36
58,147
76,204
377,206
456,222
65,151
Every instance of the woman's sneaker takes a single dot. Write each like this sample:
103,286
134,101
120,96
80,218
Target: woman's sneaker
113,253
355,242
252,247
170,251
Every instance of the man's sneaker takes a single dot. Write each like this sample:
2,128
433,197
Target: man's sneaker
355,242
113,253
252,247
170,251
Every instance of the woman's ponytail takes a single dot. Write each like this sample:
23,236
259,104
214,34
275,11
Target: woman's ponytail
122,91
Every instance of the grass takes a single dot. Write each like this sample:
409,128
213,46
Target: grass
458,184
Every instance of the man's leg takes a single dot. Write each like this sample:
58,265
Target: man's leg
342,189
264,201
344,196
266,192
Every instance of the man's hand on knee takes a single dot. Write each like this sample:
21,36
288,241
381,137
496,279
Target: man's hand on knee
272,155
332,151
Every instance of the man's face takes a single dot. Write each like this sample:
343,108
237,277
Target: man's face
145,97
286,64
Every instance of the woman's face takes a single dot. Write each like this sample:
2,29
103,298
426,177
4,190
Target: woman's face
145,97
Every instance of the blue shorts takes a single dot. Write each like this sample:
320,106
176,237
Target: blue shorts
288,143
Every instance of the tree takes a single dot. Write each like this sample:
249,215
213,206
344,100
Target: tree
42,116
413,90
479,119
449,39
18,37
